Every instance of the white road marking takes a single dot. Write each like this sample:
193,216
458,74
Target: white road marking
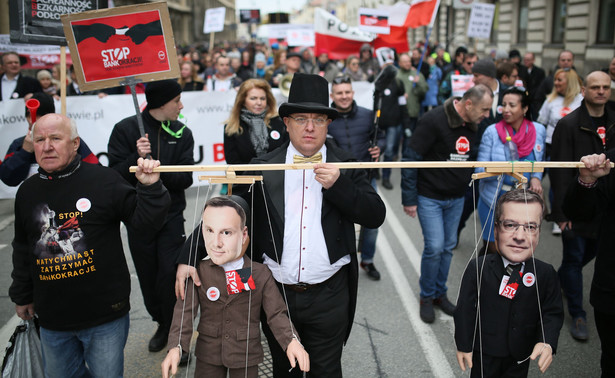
6,221
409,298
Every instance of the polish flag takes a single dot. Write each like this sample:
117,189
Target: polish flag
335,38
339,40
422,13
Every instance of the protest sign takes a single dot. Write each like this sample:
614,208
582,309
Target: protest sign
38,21
111,44
374,20
214,20
481,19
460,84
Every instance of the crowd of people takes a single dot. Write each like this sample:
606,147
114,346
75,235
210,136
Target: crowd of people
304,220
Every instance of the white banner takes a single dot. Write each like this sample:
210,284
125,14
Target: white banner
205,113
327,24
300,37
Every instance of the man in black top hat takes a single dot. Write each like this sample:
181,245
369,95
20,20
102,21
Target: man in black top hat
171,142
313,252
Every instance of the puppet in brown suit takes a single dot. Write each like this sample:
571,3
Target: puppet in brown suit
231,294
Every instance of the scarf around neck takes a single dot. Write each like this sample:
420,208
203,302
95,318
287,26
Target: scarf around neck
525,139
257,129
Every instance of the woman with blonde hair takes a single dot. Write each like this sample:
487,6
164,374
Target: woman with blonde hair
353,69
564,98
49,85
189,80
253,127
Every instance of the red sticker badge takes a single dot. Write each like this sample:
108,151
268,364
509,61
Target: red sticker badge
602,134
462,145
213,294
529,279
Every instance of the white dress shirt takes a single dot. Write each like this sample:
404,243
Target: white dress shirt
8,87
305,257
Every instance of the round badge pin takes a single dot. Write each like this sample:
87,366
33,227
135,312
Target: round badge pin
411,78
275,134
213,294
499,109
529,279
83,205
387,92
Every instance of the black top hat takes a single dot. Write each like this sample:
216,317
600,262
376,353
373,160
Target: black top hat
308,94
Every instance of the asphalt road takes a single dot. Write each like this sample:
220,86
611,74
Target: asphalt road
388,337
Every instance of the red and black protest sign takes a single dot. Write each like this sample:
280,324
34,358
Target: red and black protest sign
38,21
112,44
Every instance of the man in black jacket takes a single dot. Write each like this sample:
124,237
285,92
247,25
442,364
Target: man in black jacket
171,142
587,130
446,133
590,196
68,262
354,131
14,84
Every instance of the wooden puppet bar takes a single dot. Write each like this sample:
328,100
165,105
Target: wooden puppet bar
490,166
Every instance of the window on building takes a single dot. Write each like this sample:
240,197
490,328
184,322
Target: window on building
522,21
606,30
559,21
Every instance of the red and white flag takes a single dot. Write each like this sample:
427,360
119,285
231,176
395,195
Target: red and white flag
422,13
335,38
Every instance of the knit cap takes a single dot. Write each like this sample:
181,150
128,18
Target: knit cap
485,67
158,93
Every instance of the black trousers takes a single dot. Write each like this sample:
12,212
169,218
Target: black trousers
495,367
320,316
154,256
605,323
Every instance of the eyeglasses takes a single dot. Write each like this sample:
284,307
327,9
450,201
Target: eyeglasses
510,227
341,79
318,122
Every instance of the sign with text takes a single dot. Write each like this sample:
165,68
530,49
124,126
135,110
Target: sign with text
481,19
109,45
37,56
374,20
214,20
300,37
38,21
460,84
250,16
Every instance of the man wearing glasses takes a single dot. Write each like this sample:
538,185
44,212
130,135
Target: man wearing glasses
519,298
310,246
354,131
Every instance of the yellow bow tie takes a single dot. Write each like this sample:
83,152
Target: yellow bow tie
317,158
